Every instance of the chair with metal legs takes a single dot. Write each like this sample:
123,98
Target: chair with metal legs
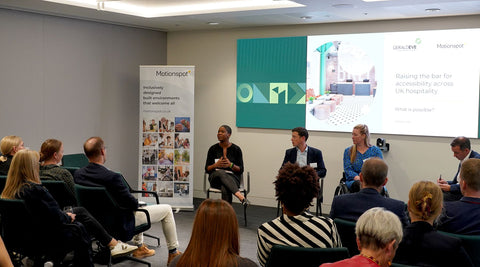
243,189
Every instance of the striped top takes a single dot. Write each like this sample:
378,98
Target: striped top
304,230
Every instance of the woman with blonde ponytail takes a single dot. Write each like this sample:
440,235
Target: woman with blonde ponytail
422,245
355,155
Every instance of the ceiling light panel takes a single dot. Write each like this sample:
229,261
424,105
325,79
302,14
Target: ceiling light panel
153,9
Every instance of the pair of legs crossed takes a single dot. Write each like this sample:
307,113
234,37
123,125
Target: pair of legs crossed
227,183
159,213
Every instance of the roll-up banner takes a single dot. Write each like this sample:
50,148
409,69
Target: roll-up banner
166,133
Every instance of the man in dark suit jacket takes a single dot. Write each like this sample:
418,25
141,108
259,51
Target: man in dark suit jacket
463,217
462,151
95,174
303,154
372,179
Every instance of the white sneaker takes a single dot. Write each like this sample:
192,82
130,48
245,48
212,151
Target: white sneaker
122,249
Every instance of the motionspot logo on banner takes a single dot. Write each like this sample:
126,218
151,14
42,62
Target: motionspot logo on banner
179,74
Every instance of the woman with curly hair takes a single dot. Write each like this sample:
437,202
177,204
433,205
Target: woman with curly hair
295,188
422,245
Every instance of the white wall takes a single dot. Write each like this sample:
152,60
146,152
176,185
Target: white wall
71,79
411,158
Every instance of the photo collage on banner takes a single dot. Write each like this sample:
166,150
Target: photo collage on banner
167,133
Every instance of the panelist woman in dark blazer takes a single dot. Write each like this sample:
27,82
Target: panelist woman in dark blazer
225,166
303,154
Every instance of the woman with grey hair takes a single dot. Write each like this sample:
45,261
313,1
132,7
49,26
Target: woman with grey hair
379,232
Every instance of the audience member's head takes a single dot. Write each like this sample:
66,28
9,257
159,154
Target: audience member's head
379,230
24,168
470,176
11,144
214,240
93,148
296,186
374,172
301,131
460,147
462,142
51,149
425,201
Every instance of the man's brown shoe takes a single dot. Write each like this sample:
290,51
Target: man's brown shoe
171,256
143,252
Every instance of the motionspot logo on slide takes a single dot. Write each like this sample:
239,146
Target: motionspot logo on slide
452,46
178,74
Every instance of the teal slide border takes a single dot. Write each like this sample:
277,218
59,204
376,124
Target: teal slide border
271,78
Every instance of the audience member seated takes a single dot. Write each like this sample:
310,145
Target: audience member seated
421,244
51,154
295,188
215,239
462,151
463,216
95,174
355,155
9,145
378,233
23,183
372,178
225,166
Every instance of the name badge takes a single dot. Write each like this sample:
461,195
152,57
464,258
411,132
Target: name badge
313,165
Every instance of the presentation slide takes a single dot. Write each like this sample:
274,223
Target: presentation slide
411,83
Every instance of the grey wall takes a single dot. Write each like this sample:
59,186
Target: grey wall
71,79
411,158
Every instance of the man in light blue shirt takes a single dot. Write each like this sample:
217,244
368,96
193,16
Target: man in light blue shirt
304,155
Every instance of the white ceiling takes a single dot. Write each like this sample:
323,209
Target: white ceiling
320,11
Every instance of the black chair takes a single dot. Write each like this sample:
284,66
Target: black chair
3,180
102,206
71,169
471,243
346,230
75,160
144,193
24,236
281,256
60,192
242,188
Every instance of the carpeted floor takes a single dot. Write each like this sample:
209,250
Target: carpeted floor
256,215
